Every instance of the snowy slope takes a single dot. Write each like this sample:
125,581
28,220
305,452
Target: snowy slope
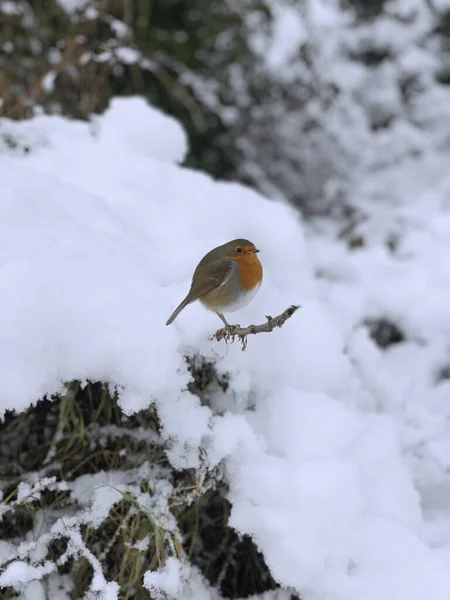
336,452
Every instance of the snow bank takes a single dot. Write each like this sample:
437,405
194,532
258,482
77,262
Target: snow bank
334,451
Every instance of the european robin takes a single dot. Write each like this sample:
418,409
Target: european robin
225,280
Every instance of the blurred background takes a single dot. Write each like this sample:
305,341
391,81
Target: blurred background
286,96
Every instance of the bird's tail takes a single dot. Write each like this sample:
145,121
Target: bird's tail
177,311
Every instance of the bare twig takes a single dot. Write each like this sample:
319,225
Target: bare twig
236,331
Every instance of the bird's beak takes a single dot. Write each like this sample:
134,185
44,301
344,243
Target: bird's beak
254,251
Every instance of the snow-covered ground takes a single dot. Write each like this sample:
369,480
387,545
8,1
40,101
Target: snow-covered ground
337,453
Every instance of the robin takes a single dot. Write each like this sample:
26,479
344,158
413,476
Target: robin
225,280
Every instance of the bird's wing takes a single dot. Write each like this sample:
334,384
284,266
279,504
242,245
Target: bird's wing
209,276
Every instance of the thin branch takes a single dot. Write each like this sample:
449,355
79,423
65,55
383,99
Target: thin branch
236,331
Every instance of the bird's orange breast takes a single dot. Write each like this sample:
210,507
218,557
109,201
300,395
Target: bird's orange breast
250,271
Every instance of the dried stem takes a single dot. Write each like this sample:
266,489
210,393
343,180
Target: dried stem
236,331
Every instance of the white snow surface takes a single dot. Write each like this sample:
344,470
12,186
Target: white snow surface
72,6
337,453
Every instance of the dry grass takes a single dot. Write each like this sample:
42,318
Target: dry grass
84,432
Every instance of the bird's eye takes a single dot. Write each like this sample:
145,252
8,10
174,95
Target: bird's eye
238,249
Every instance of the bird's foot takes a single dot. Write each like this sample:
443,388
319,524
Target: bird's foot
227,333
231,332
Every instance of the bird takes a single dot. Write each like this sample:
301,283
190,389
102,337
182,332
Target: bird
225,280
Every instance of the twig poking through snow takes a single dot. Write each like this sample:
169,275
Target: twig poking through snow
242,332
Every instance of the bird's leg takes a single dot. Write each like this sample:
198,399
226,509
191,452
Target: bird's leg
228,327
220,315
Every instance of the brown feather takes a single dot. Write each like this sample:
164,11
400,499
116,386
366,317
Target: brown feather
211,272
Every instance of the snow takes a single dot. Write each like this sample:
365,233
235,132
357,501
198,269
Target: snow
48,81
73,6
336,452
288,34
177,580
166,581
119,27
10,8
130,124
19,572
127,55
